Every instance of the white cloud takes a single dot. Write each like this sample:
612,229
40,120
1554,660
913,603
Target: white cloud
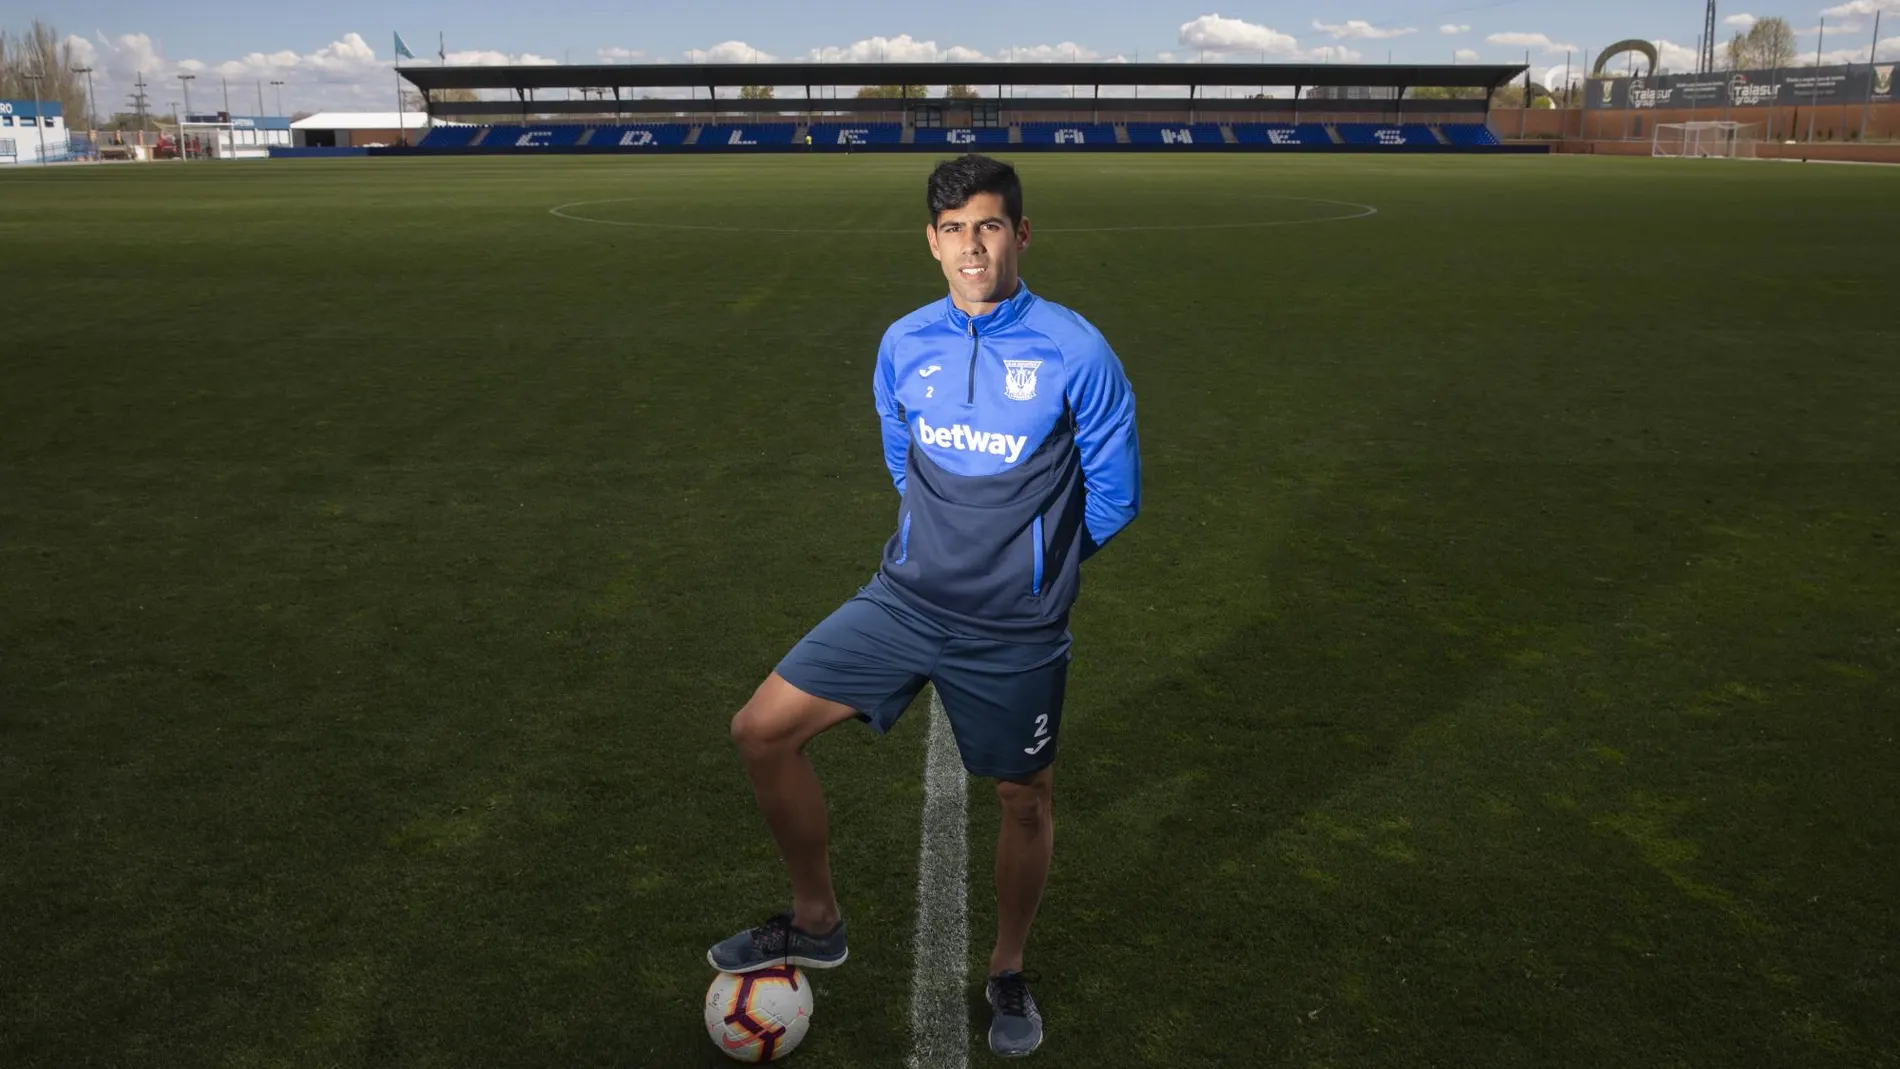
84,54
1360,28
1214,33
1832,29
729,52
1466,55
1057,53
1452,29
1862,7
616,54
1335,54
491,58
1887,49
1675,58
1741,22
1553,78
345,74
900,49
1529,40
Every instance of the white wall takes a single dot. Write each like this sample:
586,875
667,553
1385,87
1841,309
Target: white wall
26,138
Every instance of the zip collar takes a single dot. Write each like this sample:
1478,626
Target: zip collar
1005,313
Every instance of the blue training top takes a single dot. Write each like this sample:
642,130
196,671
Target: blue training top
1011,437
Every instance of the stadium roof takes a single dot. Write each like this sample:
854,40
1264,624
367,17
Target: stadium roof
715,75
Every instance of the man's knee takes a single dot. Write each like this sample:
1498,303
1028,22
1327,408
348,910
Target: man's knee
1028,802
780,716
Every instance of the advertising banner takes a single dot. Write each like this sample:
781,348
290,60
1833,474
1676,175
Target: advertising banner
1787,87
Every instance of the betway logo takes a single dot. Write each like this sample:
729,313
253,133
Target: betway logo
961,436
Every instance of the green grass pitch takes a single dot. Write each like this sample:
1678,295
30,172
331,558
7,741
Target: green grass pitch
1503,672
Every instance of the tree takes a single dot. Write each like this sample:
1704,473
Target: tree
40,51
1512,96
127,121
1767,44
961,92
892,92
1440,92
756,92
412,99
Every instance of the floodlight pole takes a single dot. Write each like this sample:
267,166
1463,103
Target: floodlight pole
92,127
1814,94
138,106
184,80
38,119
1567,95
1524,113
1873,56
279,86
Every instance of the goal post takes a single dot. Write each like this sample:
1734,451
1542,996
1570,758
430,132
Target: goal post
1706,140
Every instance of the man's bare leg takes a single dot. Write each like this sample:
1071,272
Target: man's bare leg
1024,844
771,733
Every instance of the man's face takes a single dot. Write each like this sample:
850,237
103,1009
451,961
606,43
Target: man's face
978,246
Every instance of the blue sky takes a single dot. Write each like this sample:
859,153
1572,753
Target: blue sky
337,54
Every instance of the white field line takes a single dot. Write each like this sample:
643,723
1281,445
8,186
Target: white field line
939,1010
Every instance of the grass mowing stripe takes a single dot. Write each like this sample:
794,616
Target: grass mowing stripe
939,1014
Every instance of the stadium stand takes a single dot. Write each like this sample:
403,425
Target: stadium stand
1037,118
989,135
448,137
648,135
547,135
1197,135
1391,135
848,135
1469,134
748,136
1064,133
1286,134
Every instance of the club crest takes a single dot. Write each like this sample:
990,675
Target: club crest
1883,79
1020,384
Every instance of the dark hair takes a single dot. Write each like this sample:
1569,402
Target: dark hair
954,182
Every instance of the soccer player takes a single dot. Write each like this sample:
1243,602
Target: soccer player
1009,430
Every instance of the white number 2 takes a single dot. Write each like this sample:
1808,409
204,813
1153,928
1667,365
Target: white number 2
1042,725
929,392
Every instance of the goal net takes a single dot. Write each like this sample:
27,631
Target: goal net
1706,140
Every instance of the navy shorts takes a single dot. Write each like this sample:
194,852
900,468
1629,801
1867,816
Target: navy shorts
875,653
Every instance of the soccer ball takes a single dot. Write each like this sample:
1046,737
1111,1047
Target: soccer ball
759,1016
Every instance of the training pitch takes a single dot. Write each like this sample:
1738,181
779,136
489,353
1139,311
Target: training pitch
1504,670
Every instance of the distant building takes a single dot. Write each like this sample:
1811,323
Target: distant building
32,132
358,129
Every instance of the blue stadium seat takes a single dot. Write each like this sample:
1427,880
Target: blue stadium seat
448,137
1282,134
1080,135
739,138
1391,135
543,135
989,135
848,135
1469,134
645,135
1182,134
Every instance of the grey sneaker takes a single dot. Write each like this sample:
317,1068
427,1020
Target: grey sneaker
778,942
1015,1027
